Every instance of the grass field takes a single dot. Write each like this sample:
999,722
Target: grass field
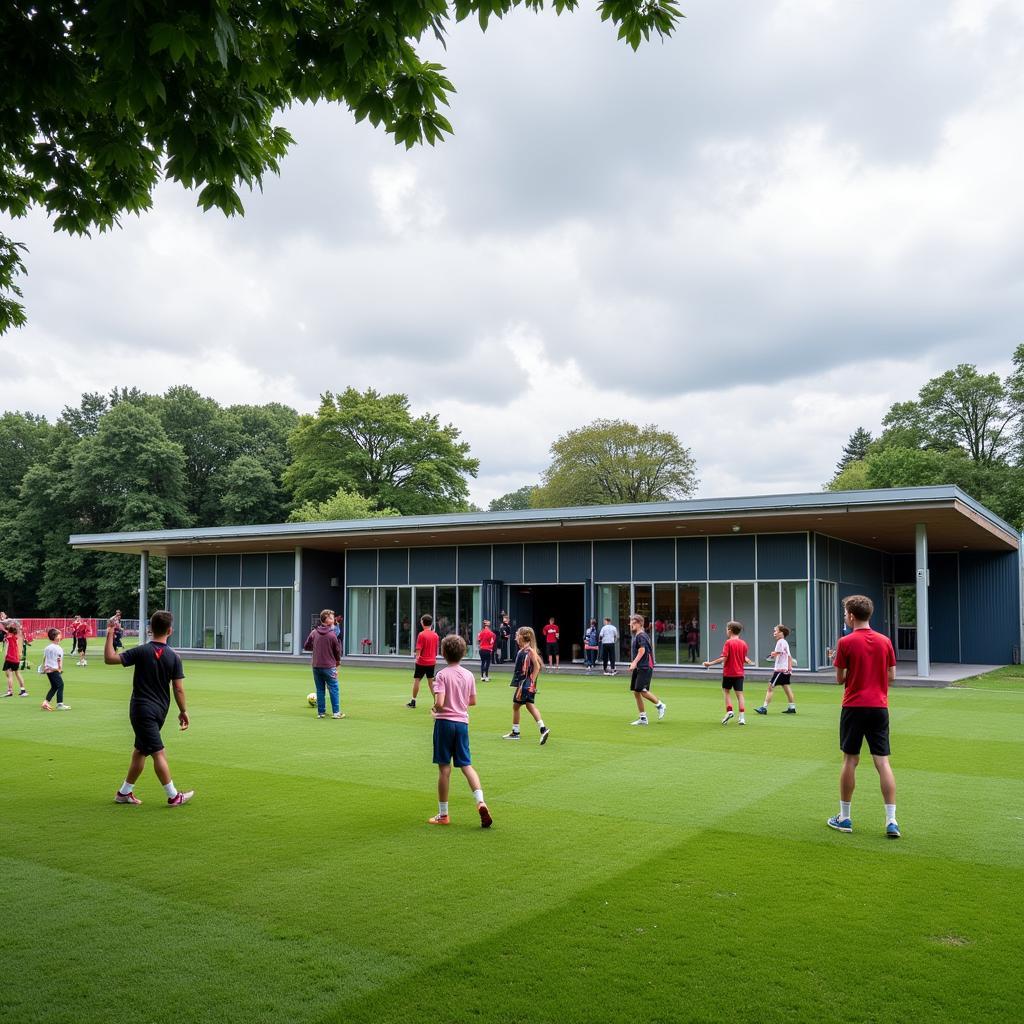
681,872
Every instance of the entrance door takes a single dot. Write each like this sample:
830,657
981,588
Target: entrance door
828,621
901,606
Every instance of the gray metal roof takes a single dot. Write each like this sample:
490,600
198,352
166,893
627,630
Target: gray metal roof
906,497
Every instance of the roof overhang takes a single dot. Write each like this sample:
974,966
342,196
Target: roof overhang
881,519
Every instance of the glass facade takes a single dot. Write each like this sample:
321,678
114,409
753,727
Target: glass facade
225,619
379,620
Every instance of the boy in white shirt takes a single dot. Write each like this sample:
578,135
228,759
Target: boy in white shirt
609,637
783,669
52,667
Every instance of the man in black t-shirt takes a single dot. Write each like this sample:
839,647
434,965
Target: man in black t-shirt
157,669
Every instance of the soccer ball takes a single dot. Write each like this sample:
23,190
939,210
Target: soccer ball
311,700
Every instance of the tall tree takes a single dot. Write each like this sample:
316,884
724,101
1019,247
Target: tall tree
371,444
611,462
101,101
339,506
855,449
247,493
514,501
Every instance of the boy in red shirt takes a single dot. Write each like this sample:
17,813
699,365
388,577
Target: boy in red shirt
485,641
733,659
426,656
865,665
551,635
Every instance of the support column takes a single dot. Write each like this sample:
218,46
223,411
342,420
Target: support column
924,661
297,633
143,595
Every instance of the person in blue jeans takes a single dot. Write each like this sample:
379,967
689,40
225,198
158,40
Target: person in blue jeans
324,644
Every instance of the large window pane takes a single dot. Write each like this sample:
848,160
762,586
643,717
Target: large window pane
665,624
287,596
210,623
198,613
274,627
260,620
174,607
183,627
424,606
221,641
794,615
469,617
769,615
359,624
693,641
445,621
405,631
719,613
613,602
248,602
743,612
387,620
642,604
235,627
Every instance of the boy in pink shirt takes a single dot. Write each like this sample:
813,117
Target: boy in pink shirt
454,690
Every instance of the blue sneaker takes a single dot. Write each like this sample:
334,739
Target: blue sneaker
762,710
892,830
842,824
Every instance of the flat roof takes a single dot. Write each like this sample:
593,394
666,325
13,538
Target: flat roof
884,519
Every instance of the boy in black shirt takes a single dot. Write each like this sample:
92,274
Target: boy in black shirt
157,669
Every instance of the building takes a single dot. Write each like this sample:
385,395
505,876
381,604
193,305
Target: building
943,571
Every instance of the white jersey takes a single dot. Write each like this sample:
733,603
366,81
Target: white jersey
609,634
52,656
781,653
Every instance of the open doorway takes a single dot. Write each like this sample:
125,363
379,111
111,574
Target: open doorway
534,605
901,613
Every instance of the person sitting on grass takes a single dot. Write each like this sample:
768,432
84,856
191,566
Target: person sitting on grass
157,668
454,692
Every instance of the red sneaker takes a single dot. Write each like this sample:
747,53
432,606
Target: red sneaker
126,798
181,798
439,819
485,816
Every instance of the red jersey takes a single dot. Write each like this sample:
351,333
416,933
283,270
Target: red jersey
735,653
486,640
78,629
13,648
867,657
550,632
426,647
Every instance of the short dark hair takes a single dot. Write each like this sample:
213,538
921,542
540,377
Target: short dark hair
161,623
426,620
453,647
784,630
859,606
53,632
734,627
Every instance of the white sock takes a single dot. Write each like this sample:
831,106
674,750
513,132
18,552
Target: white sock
660,705
478,795
844,808
791,704
442,806
170,790
643,715
515,729
890,813
126,787
540,725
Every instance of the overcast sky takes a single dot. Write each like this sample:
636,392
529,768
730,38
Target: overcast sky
758,234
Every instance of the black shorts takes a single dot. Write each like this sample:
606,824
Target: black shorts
552,649
11,666
81,645
423,670
147,723
732,683
779,679
641,679
859,724
526,695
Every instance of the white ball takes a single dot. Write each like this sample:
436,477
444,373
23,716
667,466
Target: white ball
312,700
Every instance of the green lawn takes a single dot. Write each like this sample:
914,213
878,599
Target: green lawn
681,872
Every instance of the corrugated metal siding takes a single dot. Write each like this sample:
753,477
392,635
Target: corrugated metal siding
731,558
541,563
611,560
428,565
362,568
474,564
179,571
574,562
989,607
654,560
508,563
692,558
394,567
782,556
943,608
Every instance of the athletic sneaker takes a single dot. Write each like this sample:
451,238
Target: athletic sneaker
9,693
63,707
843,824
892,830
639,721
510,736
126,798
661,711
46,706
485,816
742,721
728,715
411,704
762,710
321,716
338,714
181,798
23,693
544,734
439,819
789,711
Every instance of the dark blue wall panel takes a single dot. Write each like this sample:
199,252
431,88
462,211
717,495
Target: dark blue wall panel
611,561
393,566
281,569
822,569
692,558
574,562
943,610
179,571
857,564
475,564
431,565
204,571
654,560
989,607
254,570
541,563
508,563
229,570
362,568
731,558
782,556
318,569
